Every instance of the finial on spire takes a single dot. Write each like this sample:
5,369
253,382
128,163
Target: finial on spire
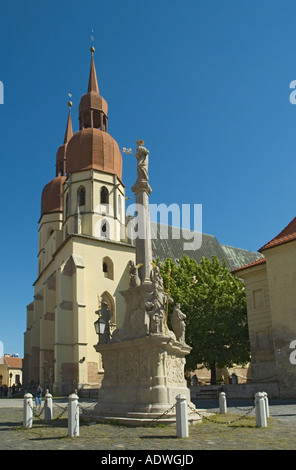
70,102
93,81
92,49
69,129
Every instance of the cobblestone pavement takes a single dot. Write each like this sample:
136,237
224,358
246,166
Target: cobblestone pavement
212,434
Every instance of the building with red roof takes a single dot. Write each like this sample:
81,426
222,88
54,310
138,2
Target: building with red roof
10,370
270,284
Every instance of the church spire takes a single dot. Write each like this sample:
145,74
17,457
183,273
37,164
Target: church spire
93,109
61,153
93,81
69,128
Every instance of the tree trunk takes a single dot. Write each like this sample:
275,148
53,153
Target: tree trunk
213,373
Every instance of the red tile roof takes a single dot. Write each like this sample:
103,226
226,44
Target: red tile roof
286,235
255,263
13,362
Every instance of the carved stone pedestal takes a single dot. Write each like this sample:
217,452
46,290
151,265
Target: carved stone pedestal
143,363
142,378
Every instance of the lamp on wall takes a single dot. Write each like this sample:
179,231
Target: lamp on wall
100,325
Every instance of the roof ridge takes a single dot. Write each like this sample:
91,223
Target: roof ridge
286,235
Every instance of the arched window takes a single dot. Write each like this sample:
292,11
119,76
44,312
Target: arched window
67,206
119,208
81,196
49,232
104,229
104,195
107,266
106,297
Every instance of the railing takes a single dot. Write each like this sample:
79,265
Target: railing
181,406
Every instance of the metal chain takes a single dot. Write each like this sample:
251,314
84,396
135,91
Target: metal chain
163,414
85,410
221,422
154,420
240,409
62,412
35,414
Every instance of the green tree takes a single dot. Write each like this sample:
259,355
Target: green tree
214,303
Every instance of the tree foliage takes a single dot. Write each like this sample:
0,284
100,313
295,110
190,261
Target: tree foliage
214,303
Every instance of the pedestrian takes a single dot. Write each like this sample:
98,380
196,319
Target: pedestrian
38,397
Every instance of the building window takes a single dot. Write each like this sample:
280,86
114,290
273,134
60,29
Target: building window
67,207
106,297
81,196
119,208
104,195
50,232
105,229
108,269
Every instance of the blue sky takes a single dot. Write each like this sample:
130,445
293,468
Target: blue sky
204,83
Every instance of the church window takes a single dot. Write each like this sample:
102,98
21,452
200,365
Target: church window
104,195
67,206
108,269
106,297
105,229
119,208
81,196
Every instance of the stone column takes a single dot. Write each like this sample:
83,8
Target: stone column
260,410
48,406
28,411
222,403
142,192
73,416
181,416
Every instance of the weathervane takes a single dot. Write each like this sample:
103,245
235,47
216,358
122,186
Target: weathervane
70,102
92,49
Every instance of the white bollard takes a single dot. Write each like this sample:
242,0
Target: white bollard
48,406
222,402
260,410
28,411
73,416
181,416
266,404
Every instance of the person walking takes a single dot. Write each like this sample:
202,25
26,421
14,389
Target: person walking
38,397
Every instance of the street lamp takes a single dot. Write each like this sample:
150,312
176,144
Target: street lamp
100,325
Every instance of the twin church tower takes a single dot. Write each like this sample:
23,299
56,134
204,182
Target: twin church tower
83,253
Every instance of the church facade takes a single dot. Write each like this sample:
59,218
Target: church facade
84,253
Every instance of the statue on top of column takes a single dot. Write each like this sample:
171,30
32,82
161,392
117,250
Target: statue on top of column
142,159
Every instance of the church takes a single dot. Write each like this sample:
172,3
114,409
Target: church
84,253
